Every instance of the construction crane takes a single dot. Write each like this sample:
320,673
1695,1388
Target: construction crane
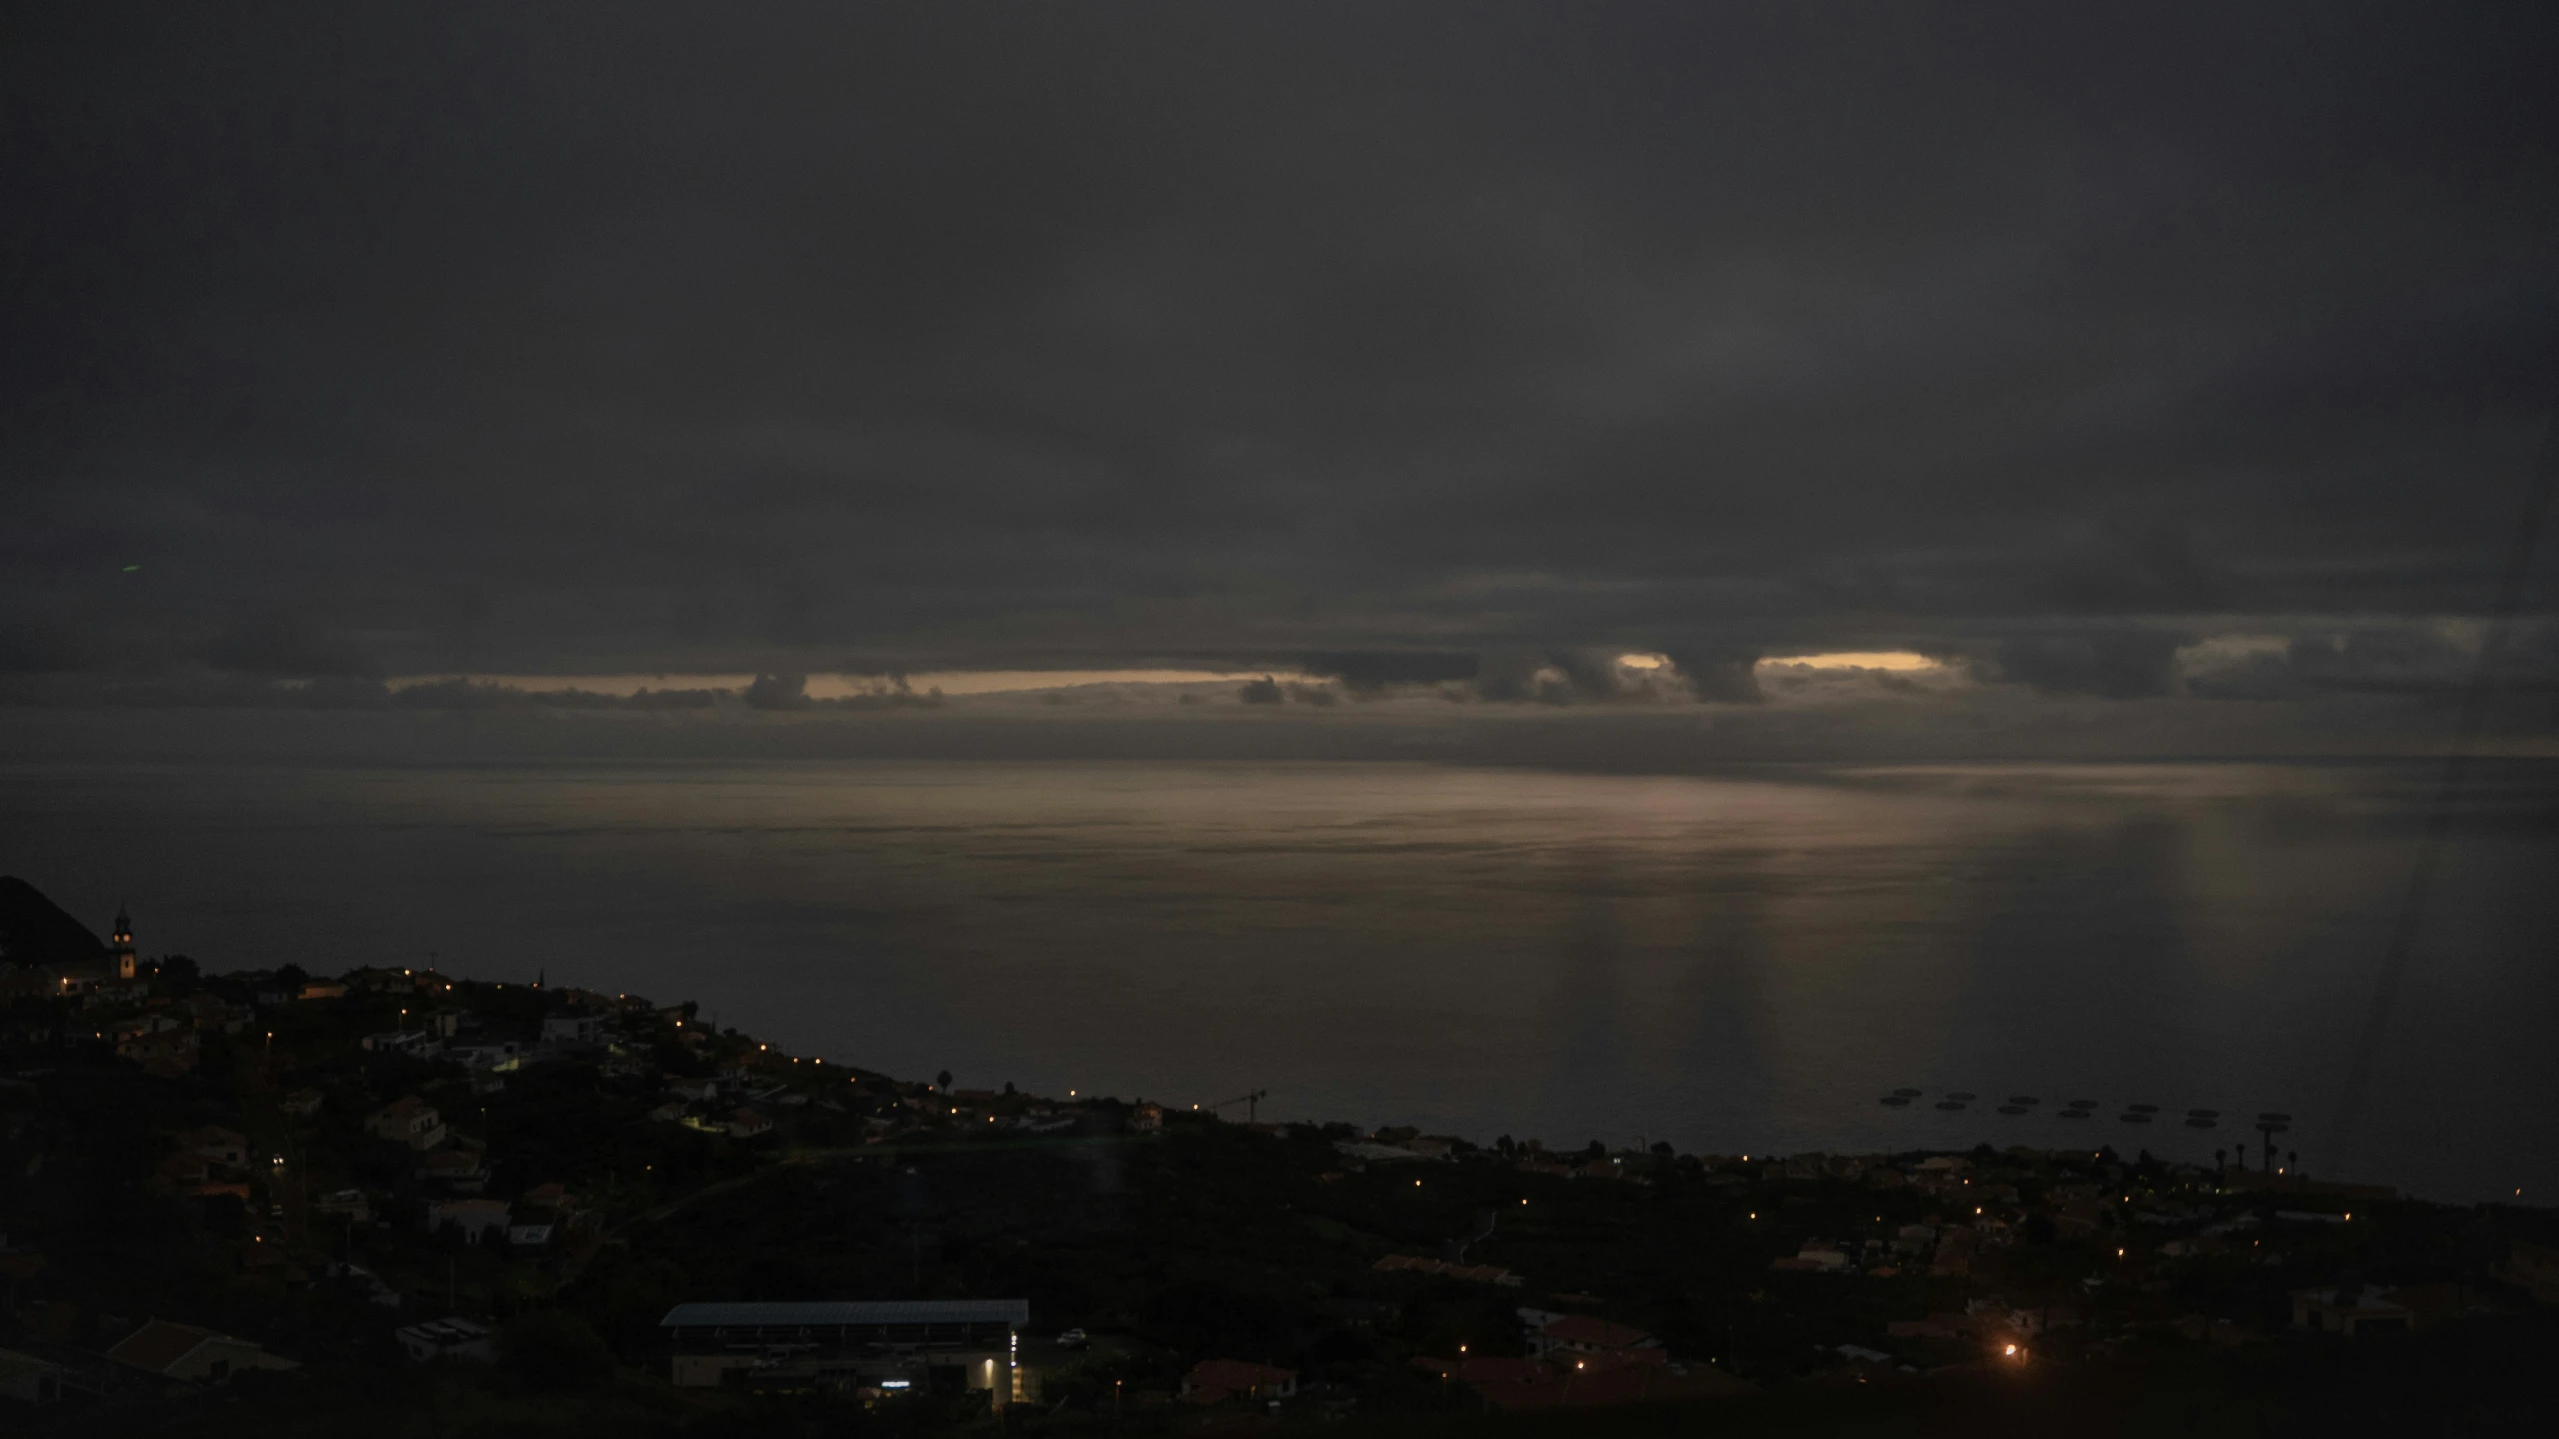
1252,1104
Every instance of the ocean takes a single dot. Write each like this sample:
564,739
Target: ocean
1733,962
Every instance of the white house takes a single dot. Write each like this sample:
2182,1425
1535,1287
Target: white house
410,1121
475,1217
501,1056
414,1042
183,1351
576,1029
449,1339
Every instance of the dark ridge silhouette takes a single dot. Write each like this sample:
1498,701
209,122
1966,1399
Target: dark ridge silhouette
35,930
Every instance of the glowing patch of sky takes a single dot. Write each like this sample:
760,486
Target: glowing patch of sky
824,686
1857,660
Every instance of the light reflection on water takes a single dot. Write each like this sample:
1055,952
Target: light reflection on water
1742,962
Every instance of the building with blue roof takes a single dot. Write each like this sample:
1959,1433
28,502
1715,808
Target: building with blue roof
845,1344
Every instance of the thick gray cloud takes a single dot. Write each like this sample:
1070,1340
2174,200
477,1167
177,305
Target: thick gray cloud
2118,664
282,644
1447,345
1719,677
2416,661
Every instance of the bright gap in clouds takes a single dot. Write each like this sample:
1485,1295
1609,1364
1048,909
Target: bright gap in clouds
838,686
984,682
1857,660
993,682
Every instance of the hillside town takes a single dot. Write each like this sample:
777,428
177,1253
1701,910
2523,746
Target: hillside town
306,1194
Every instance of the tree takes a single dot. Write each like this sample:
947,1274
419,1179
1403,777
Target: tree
942,1081
555,1350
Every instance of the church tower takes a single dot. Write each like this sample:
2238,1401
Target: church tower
123,944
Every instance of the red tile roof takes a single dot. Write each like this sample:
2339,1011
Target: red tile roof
1236,1375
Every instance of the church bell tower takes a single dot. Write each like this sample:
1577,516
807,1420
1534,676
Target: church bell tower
123,944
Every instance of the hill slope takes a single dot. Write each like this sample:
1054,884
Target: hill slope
35,930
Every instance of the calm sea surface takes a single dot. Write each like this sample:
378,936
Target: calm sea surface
1734,963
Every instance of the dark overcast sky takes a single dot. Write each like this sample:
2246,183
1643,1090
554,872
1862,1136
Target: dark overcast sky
543,338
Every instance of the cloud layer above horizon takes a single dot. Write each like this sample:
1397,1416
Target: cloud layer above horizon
2096,356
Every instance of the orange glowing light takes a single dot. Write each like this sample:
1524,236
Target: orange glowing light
1858,660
